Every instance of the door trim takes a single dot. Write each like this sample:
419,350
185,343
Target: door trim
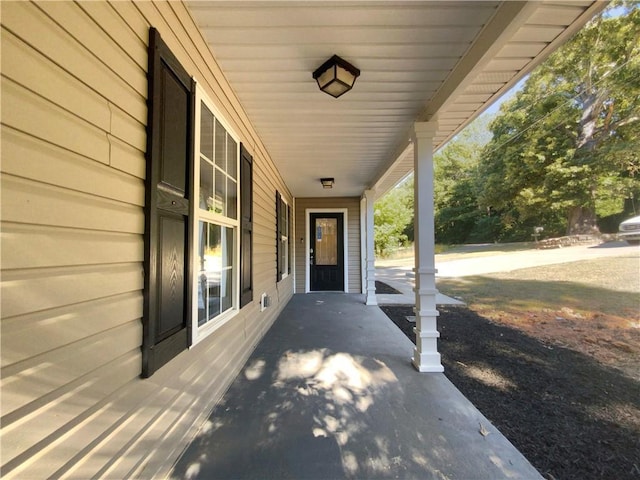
345,234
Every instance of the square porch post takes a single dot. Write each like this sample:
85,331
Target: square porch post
426,357
370,250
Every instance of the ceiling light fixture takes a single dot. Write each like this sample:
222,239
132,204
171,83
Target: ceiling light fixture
327,182
336,76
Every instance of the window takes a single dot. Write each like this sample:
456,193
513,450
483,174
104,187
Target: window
283,220
216,237
198,222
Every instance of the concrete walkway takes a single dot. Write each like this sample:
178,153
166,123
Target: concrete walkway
403,280
330,393
488,262
399,273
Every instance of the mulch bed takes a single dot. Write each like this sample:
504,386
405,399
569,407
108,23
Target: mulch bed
382,287
572,417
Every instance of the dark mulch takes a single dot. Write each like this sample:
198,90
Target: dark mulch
572,417
384,288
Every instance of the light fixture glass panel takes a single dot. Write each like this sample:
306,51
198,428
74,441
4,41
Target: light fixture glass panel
345,76
336,88
326,78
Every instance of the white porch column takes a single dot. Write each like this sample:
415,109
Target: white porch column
426,357
370,253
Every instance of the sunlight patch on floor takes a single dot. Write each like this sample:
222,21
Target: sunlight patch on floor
346,388
490,377
255,370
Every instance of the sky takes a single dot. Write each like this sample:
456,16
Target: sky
496,106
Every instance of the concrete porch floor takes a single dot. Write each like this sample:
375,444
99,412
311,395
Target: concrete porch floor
330,393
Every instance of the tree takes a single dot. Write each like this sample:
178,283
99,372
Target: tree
456,184
565,149
392,215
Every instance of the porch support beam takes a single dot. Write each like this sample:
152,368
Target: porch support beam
426,357
369,196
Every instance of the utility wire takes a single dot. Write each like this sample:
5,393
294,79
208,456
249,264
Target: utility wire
562,105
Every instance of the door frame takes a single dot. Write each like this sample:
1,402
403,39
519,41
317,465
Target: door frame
345,234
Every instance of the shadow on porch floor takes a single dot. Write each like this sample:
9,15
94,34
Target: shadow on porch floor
330,393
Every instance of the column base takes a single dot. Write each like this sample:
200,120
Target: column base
427,362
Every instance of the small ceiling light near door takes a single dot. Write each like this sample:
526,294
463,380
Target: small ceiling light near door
336,76
327,182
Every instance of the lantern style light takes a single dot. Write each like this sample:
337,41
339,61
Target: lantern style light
336,76
327,182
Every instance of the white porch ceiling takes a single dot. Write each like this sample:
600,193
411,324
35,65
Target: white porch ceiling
419,61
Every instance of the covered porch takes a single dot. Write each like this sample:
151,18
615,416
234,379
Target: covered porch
423,72
330,393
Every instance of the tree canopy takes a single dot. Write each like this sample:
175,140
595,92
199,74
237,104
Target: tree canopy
458,218
565,148
563,153
393,218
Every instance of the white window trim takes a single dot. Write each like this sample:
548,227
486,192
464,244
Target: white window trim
198,333
345,234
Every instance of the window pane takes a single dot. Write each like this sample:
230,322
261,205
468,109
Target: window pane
221,146
216,249
226,288
228,247
221,192
213,269
203,291
206,132
326,241
232,157
283,255
232,199
206,185
282,221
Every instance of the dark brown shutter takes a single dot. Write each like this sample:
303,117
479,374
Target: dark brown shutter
246,227
278,229
169,178
290,236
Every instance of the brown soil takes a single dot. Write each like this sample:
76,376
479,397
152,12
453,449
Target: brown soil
563,388
608,339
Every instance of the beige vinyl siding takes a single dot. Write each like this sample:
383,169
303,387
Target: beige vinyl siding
353,234
73,144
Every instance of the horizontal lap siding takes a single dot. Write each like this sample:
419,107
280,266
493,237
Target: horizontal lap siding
73,140
353,234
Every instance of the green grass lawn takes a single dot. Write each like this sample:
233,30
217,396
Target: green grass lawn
608,286
405,255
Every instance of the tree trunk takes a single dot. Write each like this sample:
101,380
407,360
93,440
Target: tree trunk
581,220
